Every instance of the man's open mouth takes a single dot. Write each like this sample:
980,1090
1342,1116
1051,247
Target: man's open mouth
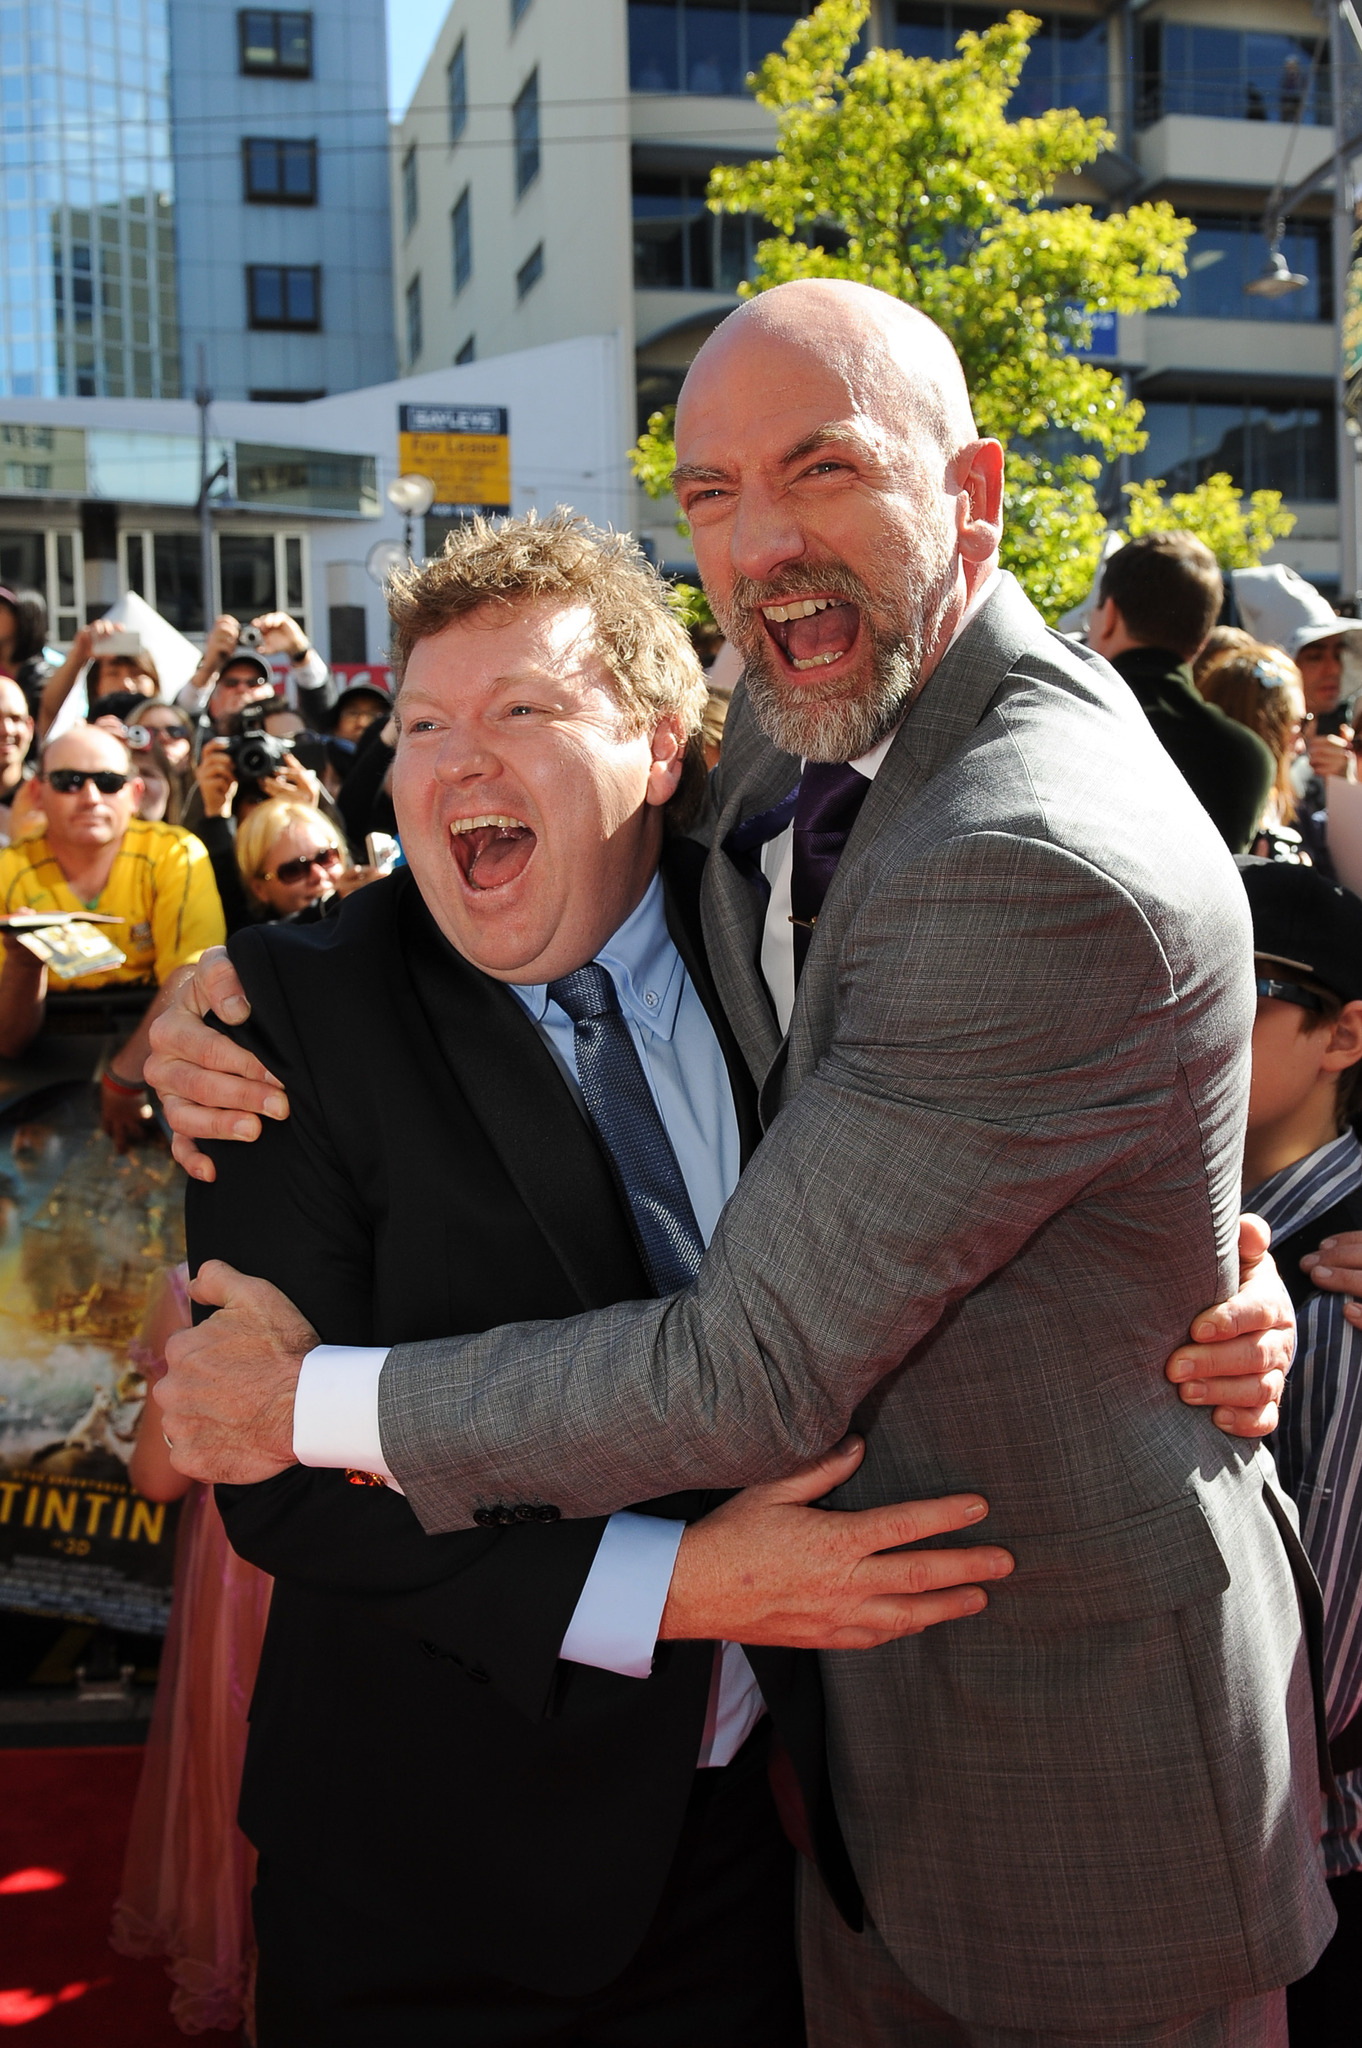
492,850
813,632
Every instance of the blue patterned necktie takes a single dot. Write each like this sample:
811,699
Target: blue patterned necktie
620,1102
829,801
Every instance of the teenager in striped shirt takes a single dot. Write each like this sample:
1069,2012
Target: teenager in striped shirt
1303,1174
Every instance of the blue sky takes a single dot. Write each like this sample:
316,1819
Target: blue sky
412,28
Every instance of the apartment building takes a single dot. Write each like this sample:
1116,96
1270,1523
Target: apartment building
548,179
187,178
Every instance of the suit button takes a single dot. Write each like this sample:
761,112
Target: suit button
486,1518
525,1512
548,1513
505,1515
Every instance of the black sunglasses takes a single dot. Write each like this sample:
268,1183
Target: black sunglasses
1288,992
294,870
70,781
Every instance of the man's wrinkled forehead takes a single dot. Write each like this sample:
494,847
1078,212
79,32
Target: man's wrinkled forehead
502,642
766,385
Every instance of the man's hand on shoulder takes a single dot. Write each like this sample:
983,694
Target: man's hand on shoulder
1241,1350
209,1086
226,1399
770,1567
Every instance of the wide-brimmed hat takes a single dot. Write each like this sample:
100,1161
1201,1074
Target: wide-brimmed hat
1278,606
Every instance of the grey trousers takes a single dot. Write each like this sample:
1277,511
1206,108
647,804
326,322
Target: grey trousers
856,1996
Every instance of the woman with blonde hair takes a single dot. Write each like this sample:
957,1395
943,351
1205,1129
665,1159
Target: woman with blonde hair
290,861
1260,687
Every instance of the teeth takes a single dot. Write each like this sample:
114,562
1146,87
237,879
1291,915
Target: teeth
490,818
819,661
799,608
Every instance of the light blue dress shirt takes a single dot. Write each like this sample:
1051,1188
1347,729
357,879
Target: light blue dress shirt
676,1042
614,1624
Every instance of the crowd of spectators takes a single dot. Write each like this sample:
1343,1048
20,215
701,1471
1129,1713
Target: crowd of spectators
244,800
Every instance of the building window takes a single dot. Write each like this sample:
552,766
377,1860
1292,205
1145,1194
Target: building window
1270,445
409,190
413,320
468,352
706,46
280,295
277,44
1066,66
1236,74
530,271
457,80
461,225
274,394
525,121
679,245
279,173
1224,256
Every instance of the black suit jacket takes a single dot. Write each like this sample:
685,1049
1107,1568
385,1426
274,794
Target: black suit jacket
1229,769
413,1730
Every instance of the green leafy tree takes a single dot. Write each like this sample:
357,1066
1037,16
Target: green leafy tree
905,173
1238,531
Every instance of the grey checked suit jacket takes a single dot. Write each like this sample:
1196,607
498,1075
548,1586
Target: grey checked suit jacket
1000,1175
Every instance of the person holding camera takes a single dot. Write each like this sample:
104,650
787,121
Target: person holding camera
128,671
235,672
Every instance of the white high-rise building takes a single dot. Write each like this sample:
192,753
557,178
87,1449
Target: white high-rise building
549,179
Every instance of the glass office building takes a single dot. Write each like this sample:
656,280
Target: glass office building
87,225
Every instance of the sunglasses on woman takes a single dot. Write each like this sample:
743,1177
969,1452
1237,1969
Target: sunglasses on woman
70,781
328,860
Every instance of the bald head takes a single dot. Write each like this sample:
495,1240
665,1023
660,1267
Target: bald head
87,746
843,508
897,366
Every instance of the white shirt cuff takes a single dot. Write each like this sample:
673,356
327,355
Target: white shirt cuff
310,673
615,1622
335,1409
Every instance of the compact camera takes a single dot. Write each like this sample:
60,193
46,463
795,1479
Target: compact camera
250,636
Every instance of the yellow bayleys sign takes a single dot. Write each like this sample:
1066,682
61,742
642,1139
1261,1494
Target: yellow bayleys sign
465,450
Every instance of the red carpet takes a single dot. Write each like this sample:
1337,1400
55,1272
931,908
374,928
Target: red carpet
63,1820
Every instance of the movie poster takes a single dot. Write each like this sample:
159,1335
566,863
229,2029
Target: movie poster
84,1238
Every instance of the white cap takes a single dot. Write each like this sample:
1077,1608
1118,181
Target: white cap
1279,607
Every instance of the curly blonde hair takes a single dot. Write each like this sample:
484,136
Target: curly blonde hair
639,635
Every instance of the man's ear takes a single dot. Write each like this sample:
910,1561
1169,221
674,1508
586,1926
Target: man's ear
669,755
1103,624
1345,1040
978,480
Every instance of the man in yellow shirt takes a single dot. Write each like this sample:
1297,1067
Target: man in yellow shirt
95,854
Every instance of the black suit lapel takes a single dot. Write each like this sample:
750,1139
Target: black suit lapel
514,1089
683,865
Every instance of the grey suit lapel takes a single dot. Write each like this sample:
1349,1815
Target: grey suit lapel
754,775
952,703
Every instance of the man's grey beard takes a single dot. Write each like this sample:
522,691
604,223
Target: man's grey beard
834,726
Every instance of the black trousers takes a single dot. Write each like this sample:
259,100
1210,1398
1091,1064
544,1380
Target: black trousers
1324,2010
715,1970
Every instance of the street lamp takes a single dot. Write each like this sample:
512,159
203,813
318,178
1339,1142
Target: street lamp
413,496
1276,278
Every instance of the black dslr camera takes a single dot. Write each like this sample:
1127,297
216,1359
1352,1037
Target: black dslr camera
256,754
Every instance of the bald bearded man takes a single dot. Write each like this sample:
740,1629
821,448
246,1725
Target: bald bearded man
992,970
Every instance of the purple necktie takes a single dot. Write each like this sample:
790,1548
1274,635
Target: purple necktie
830,795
